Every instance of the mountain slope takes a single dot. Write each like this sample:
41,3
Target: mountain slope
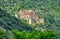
44,6
10,22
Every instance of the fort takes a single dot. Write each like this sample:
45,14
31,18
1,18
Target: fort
29,15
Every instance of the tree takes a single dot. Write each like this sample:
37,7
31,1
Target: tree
3,35
48,34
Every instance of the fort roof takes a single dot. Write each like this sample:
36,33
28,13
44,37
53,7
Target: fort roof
27,12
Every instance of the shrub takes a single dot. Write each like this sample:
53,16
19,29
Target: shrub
48,34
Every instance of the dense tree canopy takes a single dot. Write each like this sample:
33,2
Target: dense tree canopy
47,9
10,22
43,6
48,34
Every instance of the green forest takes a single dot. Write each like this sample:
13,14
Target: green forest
13,28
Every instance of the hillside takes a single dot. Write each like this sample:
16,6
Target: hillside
11,23
43,6
49,10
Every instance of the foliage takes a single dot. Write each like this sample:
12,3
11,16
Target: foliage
47,9
43,6
52,23
10,22
3,35
48,34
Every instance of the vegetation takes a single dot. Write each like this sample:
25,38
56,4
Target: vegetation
48,34
49,10
3,35
10,22
43,6
34,35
